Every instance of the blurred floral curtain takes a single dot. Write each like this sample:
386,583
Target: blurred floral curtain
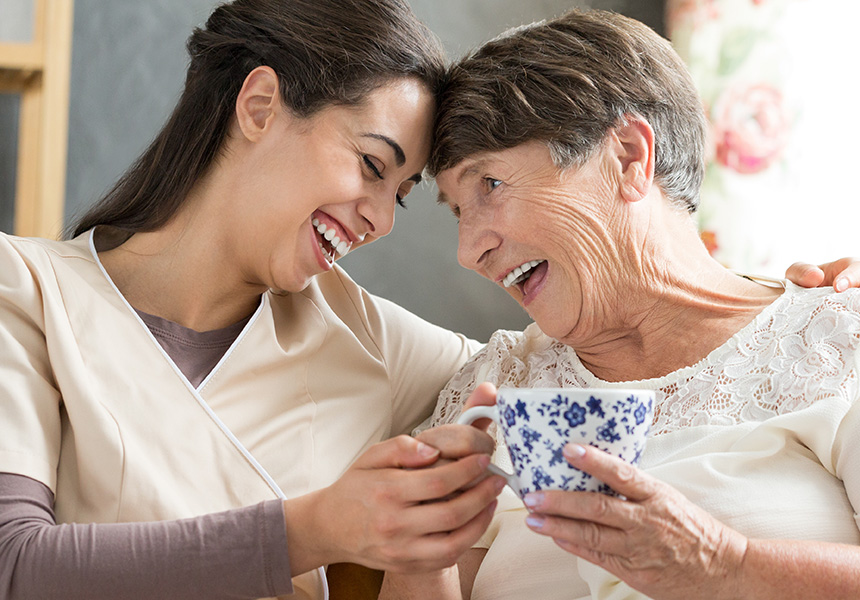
778,81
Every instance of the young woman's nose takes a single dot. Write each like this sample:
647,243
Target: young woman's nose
378,214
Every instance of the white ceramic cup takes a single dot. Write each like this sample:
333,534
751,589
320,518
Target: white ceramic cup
536,423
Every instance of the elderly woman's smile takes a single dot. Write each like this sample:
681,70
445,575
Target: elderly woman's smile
528,225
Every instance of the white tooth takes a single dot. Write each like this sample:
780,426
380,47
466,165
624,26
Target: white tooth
315,222
335,241
516,275
329,234
343,248
321,228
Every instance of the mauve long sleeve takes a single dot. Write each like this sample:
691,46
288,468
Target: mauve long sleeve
239,553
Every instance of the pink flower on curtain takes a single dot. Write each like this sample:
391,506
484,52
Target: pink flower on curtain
750,127
695,12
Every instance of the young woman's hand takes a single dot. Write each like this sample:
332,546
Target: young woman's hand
406,505
388,513
455,442
841,274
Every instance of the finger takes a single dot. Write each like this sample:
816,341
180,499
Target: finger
842,274
454,512
585,534
398,452
439,550
426,485
622,477
585,507
457,441
805,274
593,556
483,395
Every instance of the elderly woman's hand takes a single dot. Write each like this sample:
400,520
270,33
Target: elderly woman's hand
457,441
841,274
656,540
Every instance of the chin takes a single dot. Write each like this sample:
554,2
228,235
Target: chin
282,288
551,327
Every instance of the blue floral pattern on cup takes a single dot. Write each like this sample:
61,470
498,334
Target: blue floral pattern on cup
536,433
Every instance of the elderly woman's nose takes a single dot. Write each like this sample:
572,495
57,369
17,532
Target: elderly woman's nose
474,244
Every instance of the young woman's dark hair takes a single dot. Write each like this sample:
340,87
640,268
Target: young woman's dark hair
324,52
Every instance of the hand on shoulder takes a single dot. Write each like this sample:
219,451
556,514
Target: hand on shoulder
842,274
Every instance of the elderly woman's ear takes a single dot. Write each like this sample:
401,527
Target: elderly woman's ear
632,144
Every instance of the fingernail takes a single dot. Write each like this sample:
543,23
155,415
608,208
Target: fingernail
574,451
500,484
484,461
535,522
841,284
533,500
425,450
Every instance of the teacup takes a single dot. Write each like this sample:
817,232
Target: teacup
536,423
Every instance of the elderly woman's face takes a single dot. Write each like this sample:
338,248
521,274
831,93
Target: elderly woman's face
542,233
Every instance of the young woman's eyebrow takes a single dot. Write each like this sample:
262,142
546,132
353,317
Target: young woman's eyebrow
399,155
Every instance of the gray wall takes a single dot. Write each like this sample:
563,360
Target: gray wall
16,18
128,65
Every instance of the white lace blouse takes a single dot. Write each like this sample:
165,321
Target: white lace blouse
764,433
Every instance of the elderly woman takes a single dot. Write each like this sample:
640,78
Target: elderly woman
571,153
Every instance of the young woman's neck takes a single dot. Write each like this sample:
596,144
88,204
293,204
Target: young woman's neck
182,272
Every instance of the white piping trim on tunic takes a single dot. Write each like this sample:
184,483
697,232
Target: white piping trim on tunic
194,391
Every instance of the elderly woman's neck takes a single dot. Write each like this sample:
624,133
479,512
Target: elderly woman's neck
683,305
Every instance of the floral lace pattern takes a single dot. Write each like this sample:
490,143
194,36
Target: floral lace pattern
798,350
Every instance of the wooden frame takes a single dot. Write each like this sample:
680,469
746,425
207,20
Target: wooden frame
39,72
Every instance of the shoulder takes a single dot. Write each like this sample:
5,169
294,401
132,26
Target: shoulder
373,319
509,357
819,311
36,258
40,251
338,296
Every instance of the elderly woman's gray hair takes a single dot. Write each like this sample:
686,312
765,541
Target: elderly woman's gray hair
567,82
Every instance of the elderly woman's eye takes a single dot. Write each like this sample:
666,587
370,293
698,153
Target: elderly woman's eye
492,183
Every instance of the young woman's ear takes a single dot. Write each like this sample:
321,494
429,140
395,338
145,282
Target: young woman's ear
634,147
258,102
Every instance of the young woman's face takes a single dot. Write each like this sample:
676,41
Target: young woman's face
321,186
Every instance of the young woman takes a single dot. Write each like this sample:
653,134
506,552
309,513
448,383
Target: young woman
186,384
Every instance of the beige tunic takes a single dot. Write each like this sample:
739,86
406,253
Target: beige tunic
91,406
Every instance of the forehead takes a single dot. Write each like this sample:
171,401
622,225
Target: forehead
400,110
511,164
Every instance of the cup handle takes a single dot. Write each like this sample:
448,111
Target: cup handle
488,412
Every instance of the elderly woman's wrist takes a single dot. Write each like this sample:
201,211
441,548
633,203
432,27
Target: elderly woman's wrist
442,584
732,577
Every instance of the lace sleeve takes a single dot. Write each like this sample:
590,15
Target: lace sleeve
491,364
